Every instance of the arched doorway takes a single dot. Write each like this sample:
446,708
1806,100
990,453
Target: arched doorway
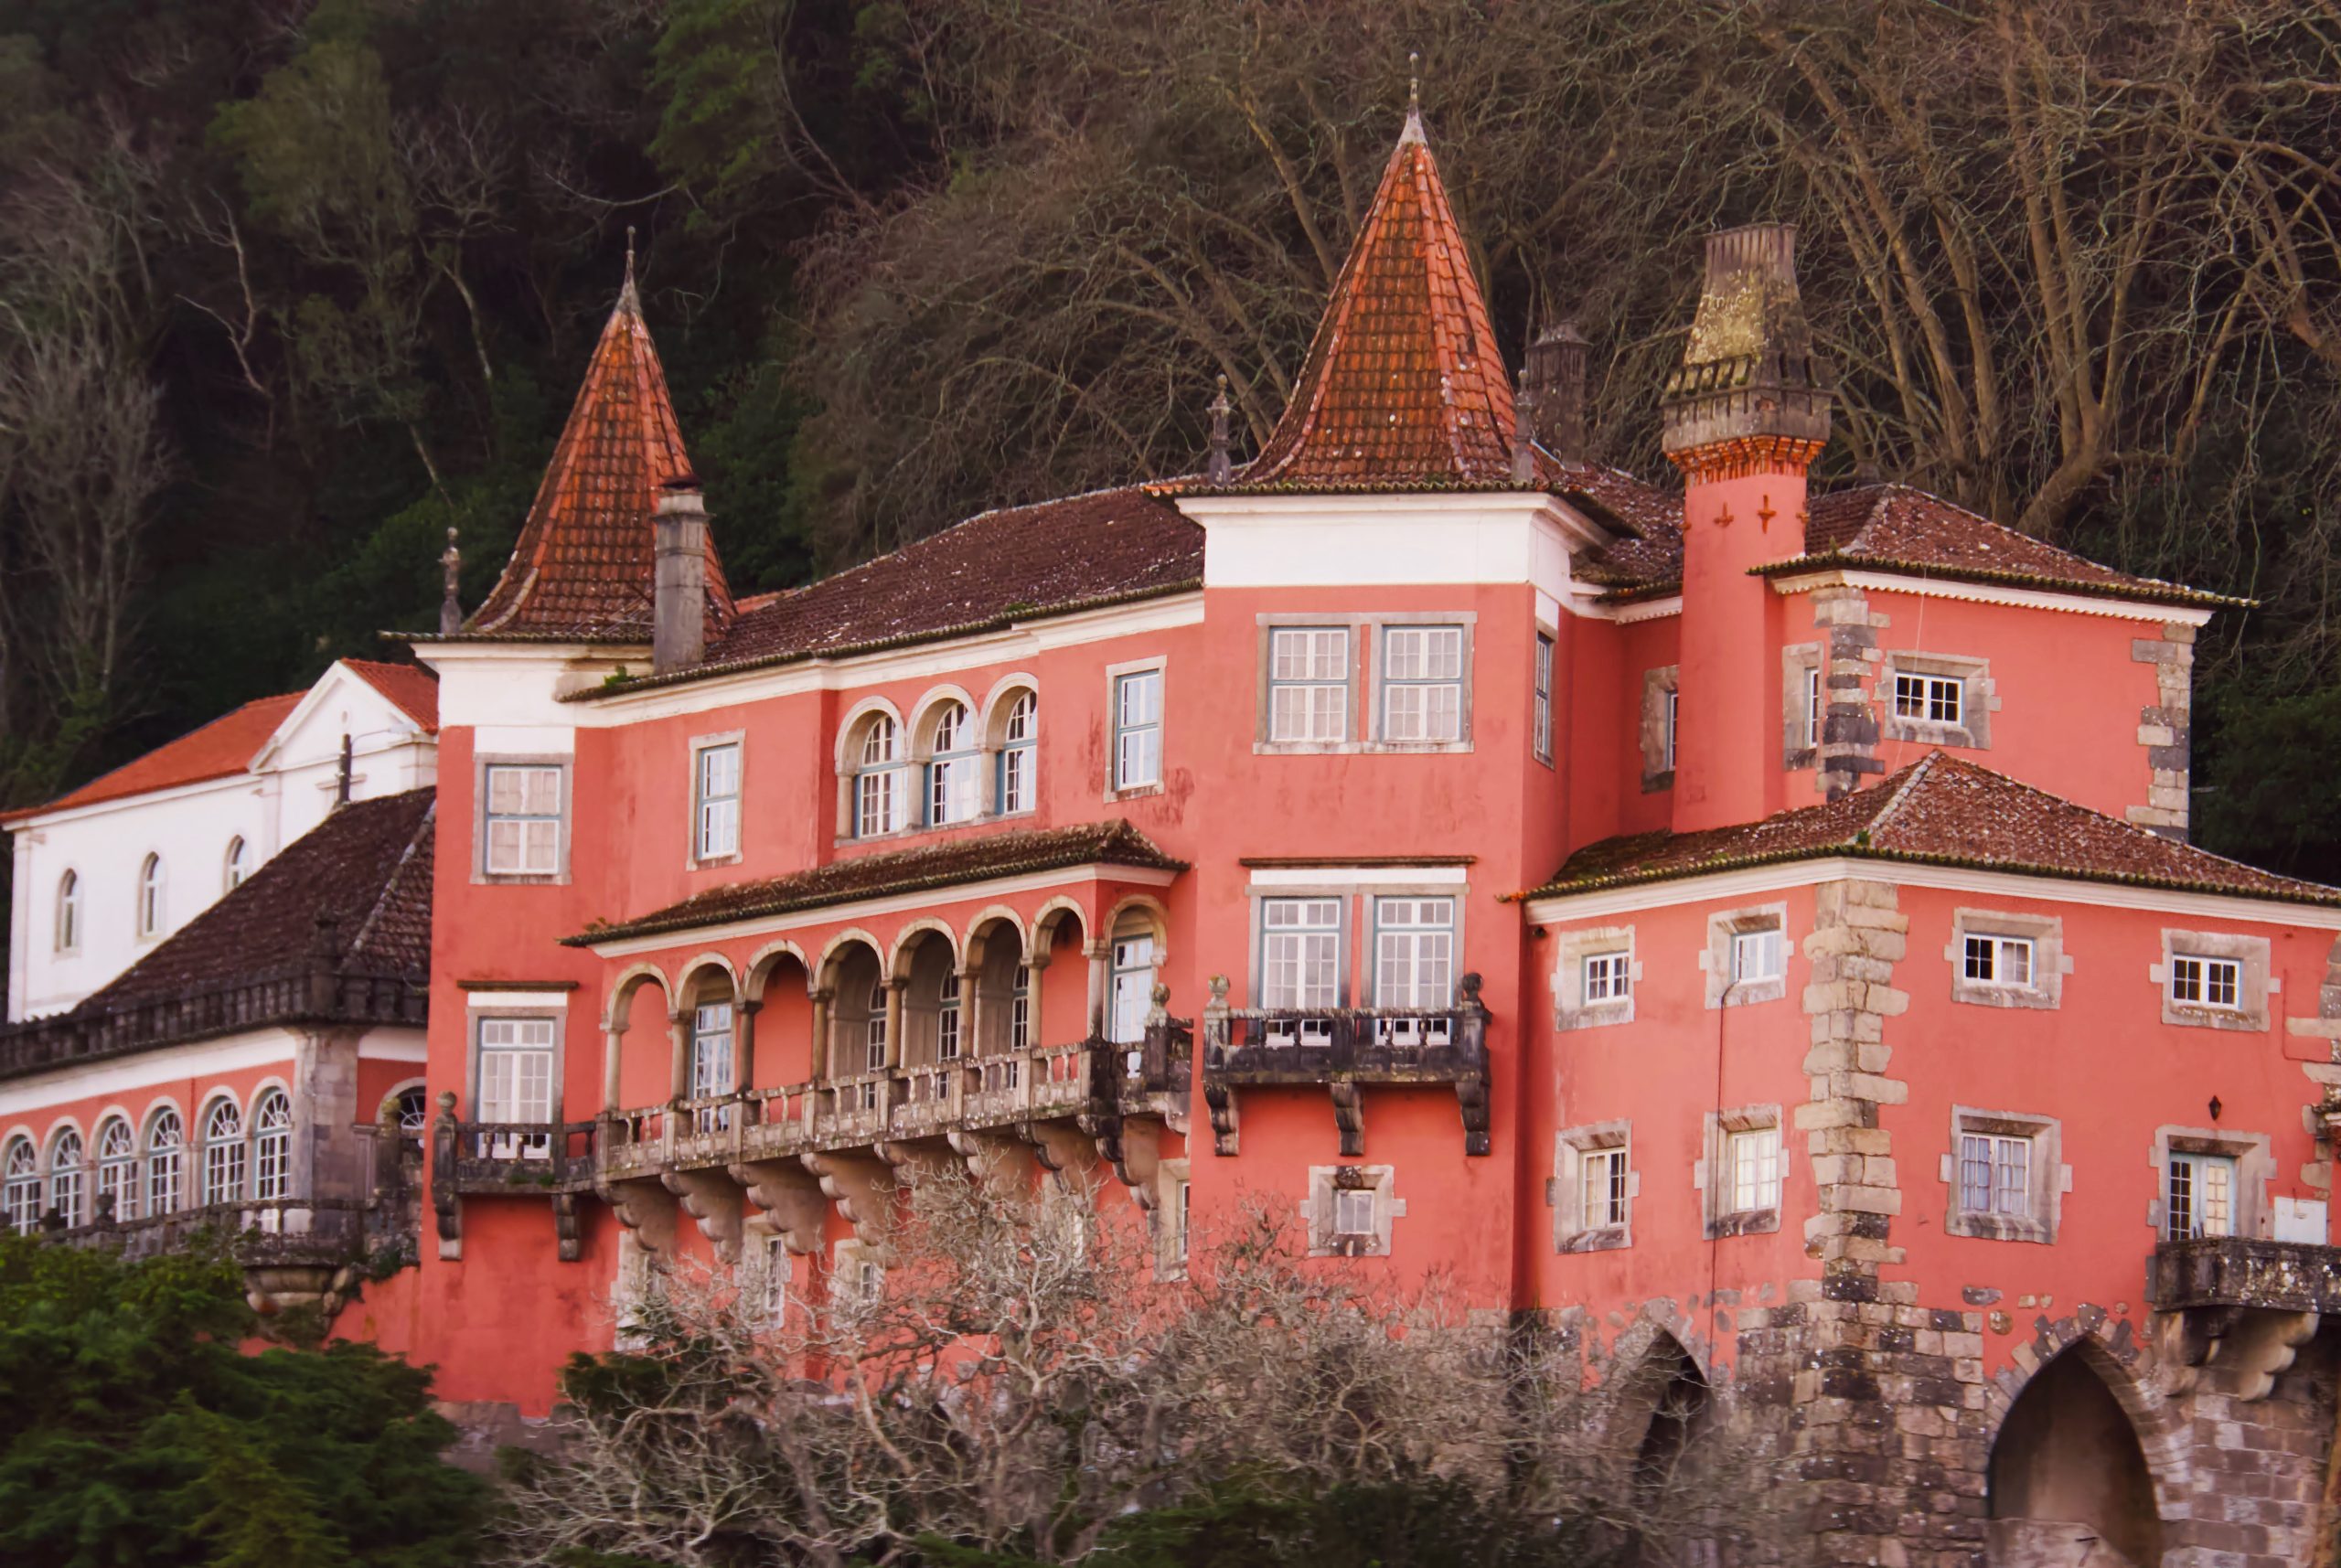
1664,1408
2067,1466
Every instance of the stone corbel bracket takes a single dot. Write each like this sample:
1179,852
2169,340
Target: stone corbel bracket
713,1200
862,1188
2245,1348
790,1198
1061,1149
644,1208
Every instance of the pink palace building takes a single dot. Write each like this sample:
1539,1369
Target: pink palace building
1750,927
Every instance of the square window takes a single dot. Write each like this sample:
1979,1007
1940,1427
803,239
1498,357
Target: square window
1991,960
1752,1169
1422,684
716,786
2206,982
1934,698
1756,955
1601,1188
1609,977
522,823
1137,730
2201,1200
1995,1175
1309,684
1352,1212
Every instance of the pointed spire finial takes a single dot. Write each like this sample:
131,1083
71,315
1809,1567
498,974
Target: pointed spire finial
1220,467
627,294
1414,128
1523,433
450,608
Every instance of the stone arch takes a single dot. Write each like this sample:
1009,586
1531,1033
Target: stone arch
913,936
768,961
925,970
857,718
1005,691
922,726
839,948
694,974
1156,914
780,993
629,980
982,932
852,974
2081,1451
1050,917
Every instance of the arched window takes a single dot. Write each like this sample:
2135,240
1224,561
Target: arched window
223,1152
20,1188
272,1146
952,766
1019,754
67,1180
69,912
150,897
877,780
947,1020
414,1112
240,862
165,1148
117,1171
711,1062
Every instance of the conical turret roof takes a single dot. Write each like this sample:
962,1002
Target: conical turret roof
582,568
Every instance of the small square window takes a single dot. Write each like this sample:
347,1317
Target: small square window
522,821
1609,977
1752,1169
2202,982
1934,698
1995,1175
1998,960
1756,955
1602,1188
1352,1212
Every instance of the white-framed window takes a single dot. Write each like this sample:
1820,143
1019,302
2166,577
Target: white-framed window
857,1279
516,1083
1593,1188
273,1145
1609,977
1995,1174
2199,981
413,1112
166,1162
1666,751
223,1152
1131,996
1756,955
1413,958
68,912
1300,954
1934,698
947,1020
1422,684
152,899
66,1178
775,1270
877,779
873,1039
1137,730
1309,684
1601,1188
20,1188
1812,708
1019,1010
2006,1175
238,864
953,767
1988,959
2201,1200
715,791
1540,719
117,1170
522,825
1752,1168
1020,739
1352,1212
711,1062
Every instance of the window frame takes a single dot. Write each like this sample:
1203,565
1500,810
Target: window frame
1118,679
1325,1183
116,1172
269,1170
1978,697
2250,1158
2047,1178
1273,684
1574,1150
65,935
959,770
1263,931
1717,1174
1726,930
1572,1007
861,778
1657,731
22,1188
2046,936
233,871
484,770
2256,983
555,1049
153,909
64,1185
1367,727
1378,927
1544,654
1013,751
232,1152
703,852
173,1156
1386,685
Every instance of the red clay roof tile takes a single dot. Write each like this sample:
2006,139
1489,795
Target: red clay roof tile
411,690
223,747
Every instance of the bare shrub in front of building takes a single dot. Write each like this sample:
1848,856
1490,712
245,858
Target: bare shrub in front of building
1012,1372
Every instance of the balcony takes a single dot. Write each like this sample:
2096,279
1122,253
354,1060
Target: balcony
1344,1050
294,1252
508,1159
2234,1310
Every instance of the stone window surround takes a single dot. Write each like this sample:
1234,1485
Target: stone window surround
1571,950
484,1008
1365,717
1709,1177
1658,769
1978,698
2255,1166
1566,1192
563,762
1715,959
2050,963
846,1258
2051,1177
1324,1180
2258,985
692,859
1171,1220
1158,664
1798,661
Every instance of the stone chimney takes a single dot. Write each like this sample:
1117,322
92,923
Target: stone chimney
1553,381
679,586
1743,418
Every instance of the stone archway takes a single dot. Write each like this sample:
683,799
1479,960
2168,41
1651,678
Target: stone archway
2068,1482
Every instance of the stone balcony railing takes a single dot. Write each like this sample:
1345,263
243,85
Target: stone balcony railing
298,995
2238,1271
1345,1049
294,1252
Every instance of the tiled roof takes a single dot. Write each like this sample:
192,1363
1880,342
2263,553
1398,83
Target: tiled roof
1404,385
961,860
1940,810
367,868
1014,564
225,746
411,690
582,566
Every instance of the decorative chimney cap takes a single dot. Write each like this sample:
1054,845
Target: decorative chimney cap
682,480
1749,370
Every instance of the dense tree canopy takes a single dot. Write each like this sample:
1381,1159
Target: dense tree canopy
287,287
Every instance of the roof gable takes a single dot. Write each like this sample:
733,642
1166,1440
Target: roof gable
221,749
355,697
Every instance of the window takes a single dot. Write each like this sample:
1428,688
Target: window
1353,1213
1309,684
953,767
150,897
516,1061
2201,982
1351,1210
1992,960
877,792
1655,733
1607,977
1414,965
1813,709
873,1047
1994,1174
1755,955
272,1146
65,1178
1182,1215
857,1280
1601,1188
165,1145
1934,698
1019,754
1752,1168
1019,1010
69,912
1746,956
1137,730
117,1172
224,1154
20,1189
1422,684
1300,946
523,823
1593,1188
946,1020
1540,722
1132,996
1667,750
716,790
710,1063
239,864
775,1270
413,1112
2202,1196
